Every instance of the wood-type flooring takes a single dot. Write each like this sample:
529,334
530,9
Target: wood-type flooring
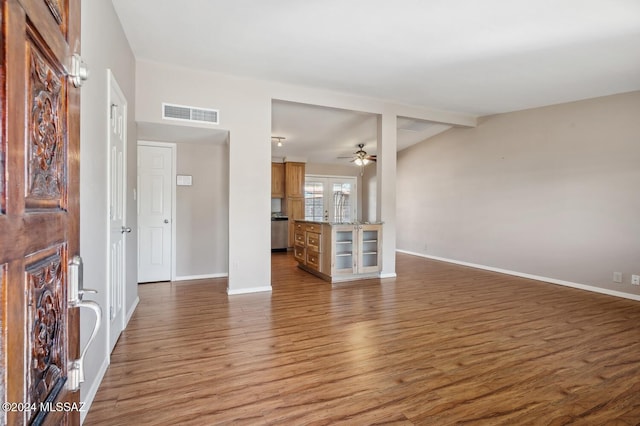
440,344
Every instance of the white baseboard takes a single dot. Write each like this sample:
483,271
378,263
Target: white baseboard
530,276
131,311
200,277
93,390
232,292
388,275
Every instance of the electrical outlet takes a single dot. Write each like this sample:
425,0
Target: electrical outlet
617,277
635,279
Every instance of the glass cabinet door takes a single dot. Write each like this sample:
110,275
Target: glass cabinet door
369,256
343,254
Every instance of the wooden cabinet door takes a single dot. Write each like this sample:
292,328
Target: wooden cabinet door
295,210
277,180
294,179
39,208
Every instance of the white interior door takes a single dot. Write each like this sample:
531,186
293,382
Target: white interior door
117,210
155,174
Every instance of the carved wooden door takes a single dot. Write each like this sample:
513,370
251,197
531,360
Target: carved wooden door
39,210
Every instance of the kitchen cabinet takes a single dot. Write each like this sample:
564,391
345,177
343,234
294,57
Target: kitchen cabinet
295,210
277,180
338,252
311,242
294,192
355,249
294,179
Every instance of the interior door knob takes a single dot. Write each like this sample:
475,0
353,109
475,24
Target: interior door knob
125,229
166,221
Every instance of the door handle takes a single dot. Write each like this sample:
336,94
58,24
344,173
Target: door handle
75,294
166,221
126,229
79,72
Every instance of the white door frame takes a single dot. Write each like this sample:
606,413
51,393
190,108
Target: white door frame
173,148
113,87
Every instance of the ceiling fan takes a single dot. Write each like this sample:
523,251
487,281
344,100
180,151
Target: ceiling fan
360,157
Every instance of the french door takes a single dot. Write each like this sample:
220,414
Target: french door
331,199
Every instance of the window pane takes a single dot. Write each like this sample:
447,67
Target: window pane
342,202
313,201
331,199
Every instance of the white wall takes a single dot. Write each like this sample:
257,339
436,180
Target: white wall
202,211
552,192
103,46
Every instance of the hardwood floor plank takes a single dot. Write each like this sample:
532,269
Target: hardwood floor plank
440,344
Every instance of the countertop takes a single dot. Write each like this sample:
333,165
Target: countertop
322,222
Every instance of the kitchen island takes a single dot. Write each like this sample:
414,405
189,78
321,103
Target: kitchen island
338,251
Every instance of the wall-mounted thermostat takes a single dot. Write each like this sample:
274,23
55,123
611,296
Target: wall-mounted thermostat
184,180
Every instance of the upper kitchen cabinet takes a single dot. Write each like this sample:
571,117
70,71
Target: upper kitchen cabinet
277,180
294,179
294,194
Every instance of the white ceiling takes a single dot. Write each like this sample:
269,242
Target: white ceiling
321,135
468,56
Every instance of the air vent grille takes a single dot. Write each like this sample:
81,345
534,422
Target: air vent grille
187,113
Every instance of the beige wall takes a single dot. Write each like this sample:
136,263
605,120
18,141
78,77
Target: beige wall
202,223
245,111
104,46
332,170
553,192
369,192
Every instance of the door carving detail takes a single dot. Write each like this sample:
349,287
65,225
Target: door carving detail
46,312
39,157
46,164
56,10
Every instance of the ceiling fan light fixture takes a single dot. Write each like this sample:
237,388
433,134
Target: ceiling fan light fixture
360,157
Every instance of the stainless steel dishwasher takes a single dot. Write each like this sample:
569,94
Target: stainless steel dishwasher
279,233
